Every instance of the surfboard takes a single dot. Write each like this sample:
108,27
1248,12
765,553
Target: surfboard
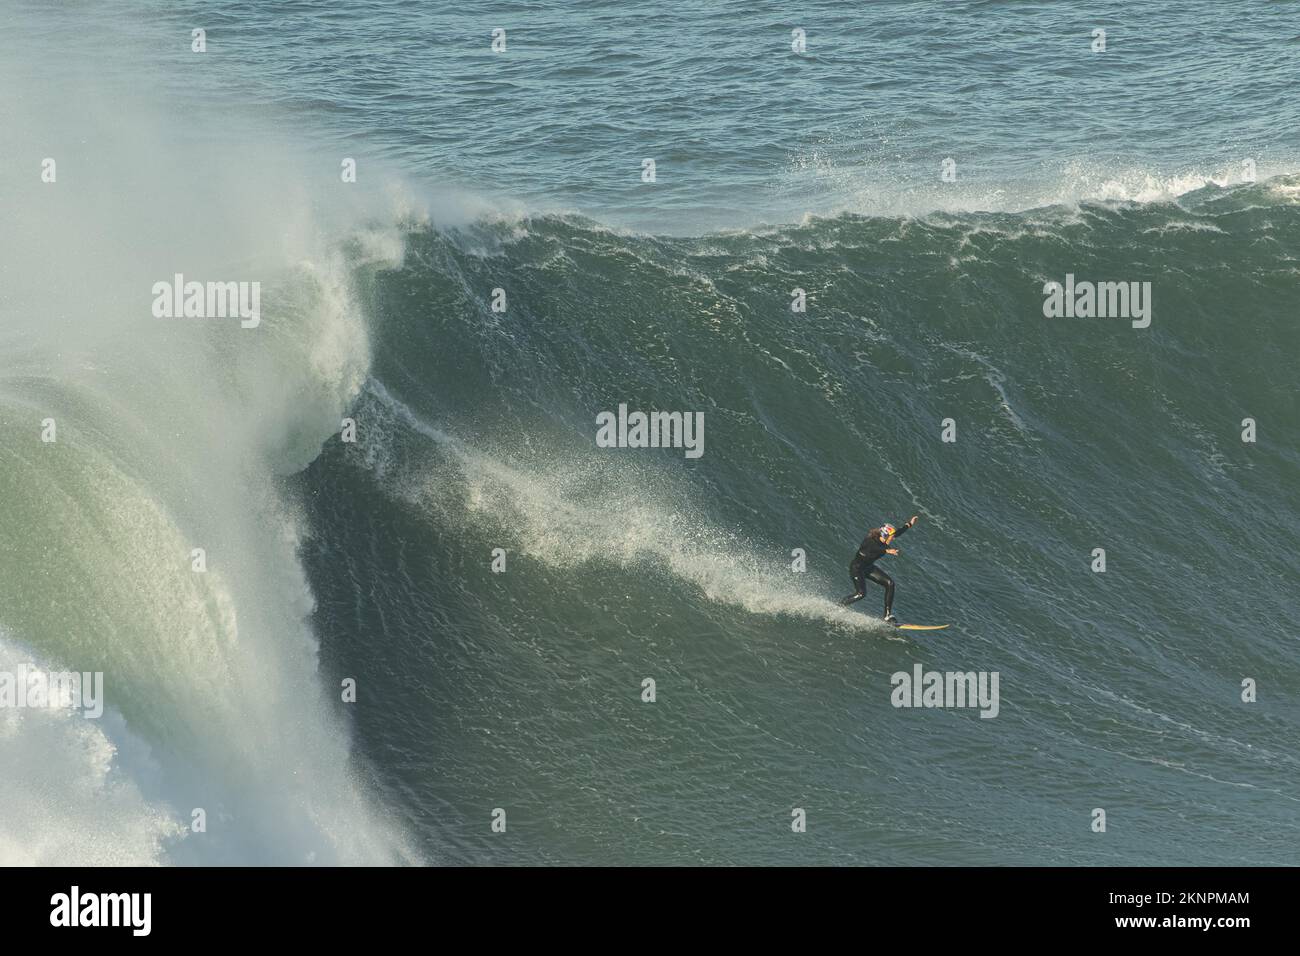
922,627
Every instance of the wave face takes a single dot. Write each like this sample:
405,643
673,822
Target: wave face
1120,690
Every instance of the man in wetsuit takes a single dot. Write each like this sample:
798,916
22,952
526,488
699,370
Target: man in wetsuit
874,547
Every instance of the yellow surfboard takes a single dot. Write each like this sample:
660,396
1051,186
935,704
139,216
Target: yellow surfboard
923,627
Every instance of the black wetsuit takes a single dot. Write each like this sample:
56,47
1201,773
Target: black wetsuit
863,566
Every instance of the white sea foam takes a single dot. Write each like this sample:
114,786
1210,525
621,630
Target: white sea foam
169,438
895,189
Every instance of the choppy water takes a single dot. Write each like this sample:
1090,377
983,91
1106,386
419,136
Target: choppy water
774,171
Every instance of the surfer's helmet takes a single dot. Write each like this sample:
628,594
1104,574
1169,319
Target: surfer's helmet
887,531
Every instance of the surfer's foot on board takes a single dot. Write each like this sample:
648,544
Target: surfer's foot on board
890,619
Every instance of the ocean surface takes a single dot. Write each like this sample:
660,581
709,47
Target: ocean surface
1172,157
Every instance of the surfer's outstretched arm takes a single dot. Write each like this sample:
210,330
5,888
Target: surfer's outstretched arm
904,527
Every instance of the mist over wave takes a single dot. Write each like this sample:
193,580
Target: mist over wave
173,434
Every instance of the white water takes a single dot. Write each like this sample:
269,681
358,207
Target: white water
170,434
591,507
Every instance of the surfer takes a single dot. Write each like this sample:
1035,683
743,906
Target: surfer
863,566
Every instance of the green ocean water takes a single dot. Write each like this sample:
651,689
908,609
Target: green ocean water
1120,690
1168,159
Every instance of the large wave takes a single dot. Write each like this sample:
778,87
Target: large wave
172,435
477,433
918,319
